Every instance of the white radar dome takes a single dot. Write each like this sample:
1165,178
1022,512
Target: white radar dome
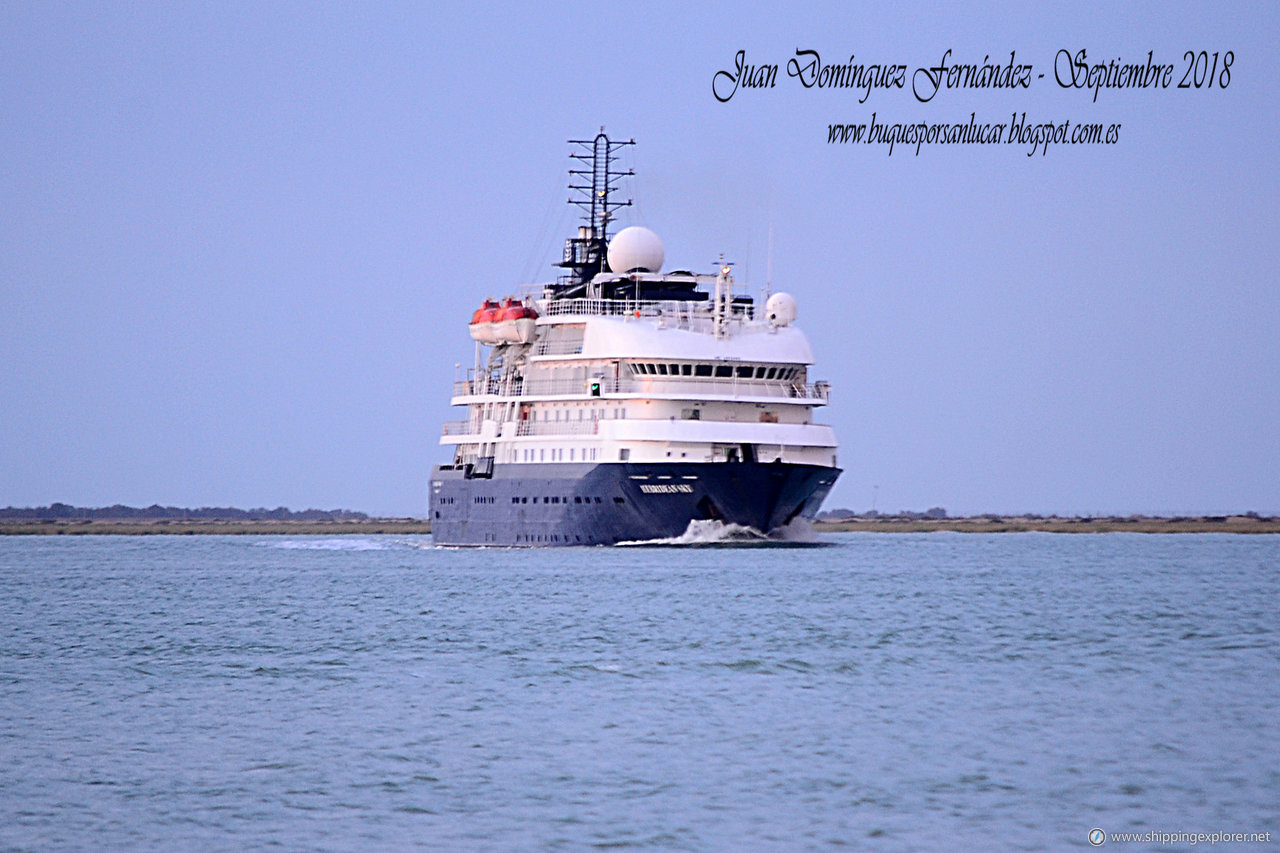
780,309
636,249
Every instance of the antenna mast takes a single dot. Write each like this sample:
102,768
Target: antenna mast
768,276
584,255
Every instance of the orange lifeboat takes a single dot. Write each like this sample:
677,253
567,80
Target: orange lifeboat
516,323
483,328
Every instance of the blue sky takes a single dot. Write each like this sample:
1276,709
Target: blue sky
241,242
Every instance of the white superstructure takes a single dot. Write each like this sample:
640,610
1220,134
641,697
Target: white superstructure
647,381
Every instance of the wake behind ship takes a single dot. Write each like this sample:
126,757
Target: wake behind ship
622,403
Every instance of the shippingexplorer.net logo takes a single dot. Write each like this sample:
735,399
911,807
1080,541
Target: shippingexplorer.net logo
1098,837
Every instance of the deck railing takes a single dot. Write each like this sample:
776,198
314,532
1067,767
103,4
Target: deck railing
570,347
698,386
675,309
557,427
462,427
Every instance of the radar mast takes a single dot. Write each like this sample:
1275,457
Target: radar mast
585,254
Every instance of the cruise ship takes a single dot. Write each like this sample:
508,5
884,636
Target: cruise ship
622,403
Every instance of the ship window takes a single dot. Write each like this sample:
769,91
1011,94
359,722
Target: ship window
702,370
555,500
618,500
686,369
760,373
771,373
542,454
662,370
724,370
570,454
744,371
577,499
624,454
675,370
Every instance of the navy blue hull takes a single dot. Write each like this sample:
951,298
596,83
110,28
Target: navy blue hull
603,504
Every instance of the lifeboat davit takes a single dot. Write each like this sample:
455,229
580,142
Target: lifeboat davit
482,326
516,323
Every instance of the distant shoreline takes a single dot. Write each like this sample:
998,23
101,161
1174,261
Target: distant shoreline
1022,524
417,526
188,527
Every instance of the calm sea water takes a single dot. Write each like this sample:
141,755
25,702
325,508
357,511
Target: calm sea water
889,692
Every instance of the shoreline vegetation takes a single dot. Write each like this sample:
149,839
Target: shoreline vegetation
187,527
64,520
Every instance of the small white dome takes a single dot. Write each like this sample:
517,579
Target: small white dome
636,248
780,309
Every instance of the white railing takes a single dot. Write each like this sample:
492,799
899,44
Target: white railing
558,347
507,429
462,427
558,427
692,385
726,387
675,309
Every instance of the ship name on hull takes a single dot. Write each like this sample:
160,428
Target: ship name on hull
666,488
